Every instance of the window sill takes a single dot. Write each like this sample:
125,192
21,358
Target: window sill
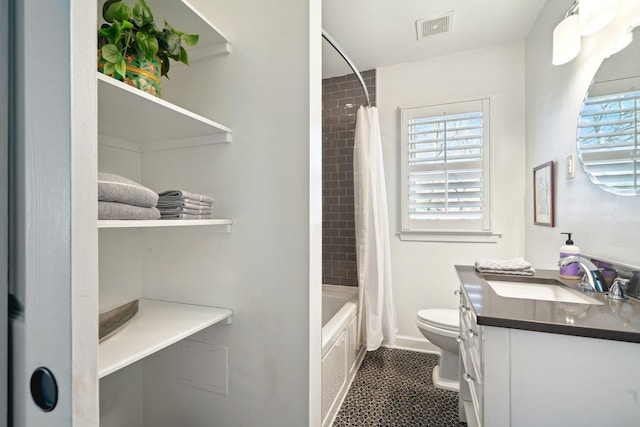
450,236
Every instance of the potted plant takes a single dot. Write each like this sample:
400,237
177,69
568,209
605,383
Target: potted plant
131,48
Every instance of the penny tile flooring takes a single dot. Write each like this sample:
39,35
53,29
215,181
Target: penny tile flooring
394,388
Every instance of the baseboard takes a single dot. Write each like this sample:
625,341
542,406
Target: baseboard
404,342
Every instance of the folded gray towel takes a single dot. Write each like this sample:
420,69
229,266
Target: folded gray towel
184,195
529,272
115,210
188,203
184,216
115,188
517,266
180,209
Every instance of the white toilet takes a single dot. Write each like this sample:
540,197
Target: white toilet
441,326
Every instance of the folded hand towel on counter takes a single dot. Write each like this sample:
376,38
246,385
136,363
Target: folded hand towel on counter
516,266
185,195
115,210
115,188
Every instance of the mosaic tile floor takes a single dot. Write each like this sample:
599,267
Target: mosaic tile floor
394,388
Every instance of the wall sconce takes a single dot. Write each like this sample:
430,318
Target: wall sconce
583,18
596,14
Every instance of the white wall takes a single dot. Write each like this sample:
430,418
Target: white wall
423,272
603,224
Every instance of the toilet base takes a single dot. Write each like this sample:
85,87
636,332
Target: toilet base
446,374
444,383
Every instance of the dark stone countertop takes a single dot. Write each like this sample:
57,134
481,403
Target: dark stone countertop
612,320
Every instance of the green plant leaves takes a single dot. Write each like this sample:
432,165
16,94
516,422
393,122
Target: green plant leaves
184,58
121,68
142,13
118,11
109,69
111,54
105,7
111,33
132,31
191,39
171,41
147,43
164,70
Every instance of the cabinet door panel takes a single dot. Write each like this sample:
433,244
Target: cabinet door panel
555,378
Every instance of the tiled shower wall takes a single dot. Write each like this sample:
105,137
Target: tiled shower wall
341,97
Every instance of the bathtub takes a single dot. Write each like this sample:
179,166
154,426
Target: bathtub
341,355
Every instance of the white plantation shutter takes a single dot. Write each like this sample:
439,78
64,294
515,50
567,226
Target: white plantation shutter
445,167
608,140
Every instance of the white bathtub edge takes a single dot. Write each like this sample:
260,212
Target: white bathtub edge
330,330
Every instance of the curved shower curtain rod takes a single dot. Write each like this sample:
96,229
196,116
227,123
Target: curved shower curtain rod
344,56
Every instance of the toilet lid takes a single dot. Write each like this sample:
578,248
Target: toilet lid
446,318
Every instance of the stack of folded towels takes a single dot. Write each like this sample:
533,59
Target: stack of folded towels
516,266
122,198
179,204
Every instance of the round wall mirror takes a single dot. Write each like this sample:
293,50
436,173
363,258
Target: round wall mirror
609,123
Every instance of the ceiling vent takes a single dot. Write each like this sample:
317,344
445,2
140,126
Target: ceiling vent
427,28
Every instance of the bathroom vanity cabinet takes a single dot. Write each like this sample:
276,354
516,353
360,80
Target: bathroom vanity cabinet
164,146
515,375
484,375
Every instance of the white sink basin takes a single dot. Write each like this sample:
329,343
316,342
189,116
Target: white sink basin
539,291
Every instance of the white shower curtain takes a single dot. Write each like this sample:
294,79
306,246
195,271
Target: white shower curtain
377,317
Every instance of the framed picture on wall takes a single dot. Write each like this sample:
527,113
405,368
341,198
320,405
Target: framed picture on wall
543,195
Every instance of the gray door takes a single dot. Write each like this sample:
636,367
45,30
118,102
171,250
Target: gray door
53,233
40,248
4,205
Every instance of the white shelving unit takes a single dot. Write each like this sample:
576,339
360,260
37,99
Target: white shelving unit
151,122
226,223
181,14
131,120
157,324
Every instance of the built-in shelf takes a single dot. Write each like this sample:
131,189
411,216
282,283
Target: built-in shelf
157,325
226,223
183,16
130,114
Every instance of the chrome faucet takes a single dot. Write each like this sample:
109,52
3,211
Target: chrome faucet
593,279
617,289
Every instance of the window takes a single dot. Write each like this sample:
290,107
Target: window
608,140
445,168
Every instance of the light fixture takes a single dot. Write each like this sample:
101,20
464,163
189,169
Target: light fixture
583,18
566,37
566,40
596,14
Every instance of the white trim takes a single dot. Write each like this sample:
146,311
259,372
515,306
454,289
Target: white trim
449,236
314,326
137,223
421,345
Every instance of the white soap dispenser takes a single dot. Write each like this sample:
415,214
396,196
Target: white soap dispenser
570,271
